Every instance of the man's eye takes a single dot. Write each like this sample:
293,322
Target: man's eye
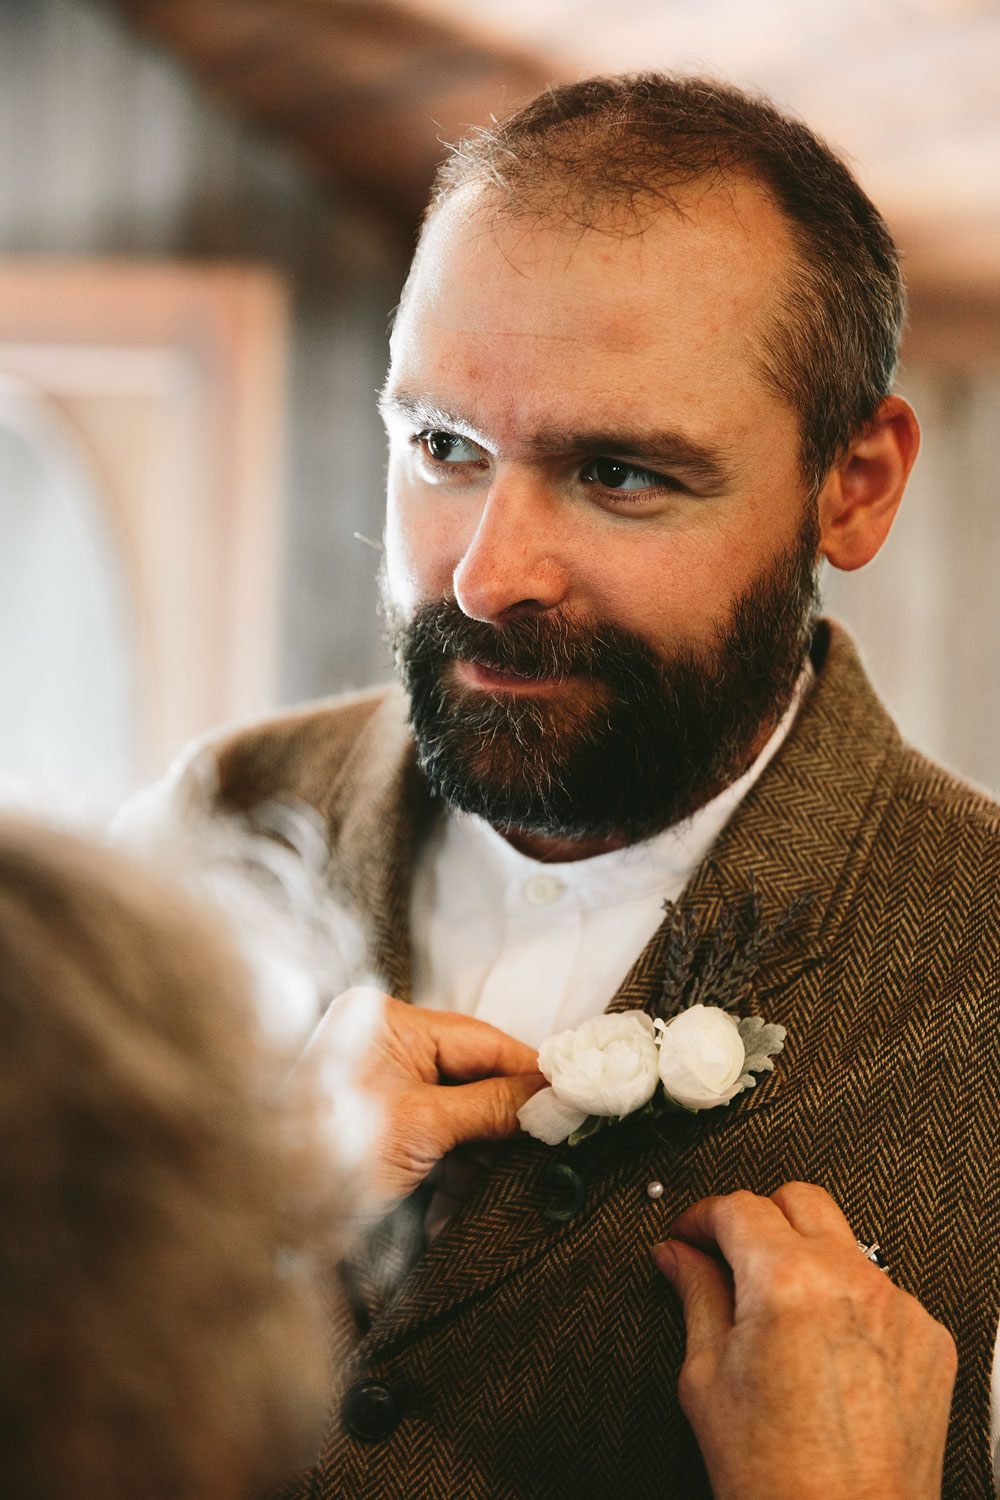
447,448
613,474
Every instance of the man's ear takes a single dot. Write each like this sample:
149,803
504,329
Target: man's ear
861,493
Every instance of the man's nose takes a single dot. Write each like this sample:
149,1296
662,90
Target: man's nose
512,564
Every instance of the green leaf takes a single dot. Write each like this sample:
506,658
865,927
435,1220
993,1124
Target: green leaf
591,1125
761,1040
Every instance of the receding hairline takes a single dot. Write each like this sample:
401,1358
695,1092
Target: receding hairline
618,218
615,156
557,199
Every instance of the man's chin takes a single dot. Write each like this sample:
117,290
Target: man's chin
533,764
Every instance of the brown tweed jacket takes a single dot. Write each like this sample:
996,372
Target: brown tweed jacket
535,1355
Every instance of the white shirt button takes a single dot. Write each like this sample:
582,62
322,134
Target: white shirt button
542,890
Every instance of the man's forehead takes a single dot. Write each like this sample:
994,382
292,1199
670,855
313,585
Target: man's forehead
730,214
512,331
716,259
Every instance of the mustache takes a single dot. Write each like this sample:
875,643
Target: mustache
540,646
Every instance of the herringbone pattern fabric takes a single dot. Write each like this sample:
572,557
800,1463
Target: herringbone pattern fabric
540,1360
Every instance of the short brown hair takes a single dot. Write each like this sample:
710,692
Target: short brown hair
833,347
161,1334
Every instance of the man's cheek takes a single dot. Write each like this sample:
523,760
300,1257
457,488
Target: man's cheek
424,546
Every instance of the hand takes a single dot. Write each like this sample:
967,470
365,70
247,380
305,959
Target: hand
438,1079
808,1375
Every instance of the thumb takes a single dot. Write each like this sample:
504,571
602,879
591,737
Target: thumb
706,1291
485,1110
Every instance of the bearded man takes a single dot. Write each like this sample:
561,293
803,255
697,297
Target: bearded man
641,383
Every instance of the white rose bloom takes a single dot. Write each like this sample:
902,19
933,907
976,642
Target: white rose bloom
607,1066
701,1057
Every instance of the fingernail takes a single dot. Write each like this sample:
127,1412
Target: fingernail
666,1259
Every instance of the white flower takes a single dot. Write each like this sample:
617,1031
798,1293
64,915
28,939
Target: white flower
607,1066
702,1057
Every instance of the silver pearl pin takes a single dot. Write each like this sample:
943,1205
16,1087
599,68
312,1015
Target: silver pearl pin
654,1189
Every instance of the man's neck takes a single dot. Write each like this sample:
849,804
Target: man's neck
557,851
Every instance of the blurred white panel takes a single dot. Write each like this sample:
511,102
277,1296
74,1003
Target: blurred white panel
66,667
113,149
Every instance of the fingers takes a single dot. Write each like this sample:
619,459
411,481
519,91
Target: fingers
435,1043
483,1111
706,1291
465,1048
811,1211
412,1050
804,1363
424,1123
741,1225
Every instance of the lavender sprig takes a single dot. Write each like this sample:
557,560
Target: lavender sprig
716,964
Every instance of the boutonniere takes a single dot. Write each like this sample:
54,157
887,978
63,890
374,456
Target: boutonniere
692,1052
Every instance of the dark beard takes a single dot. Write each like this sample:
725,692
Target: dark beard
638,744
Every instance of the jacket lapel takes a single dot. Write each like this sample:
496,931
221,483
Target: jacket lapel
804,831
500,1229
376,809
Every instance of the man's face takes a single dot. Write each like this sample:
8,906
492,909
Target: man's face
594,500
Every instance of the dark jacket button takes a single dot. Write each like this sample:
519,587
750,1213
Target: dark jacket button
371,1410
568,1190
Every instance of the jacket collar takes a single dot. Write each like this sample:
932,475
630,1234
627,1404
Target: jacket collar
376,810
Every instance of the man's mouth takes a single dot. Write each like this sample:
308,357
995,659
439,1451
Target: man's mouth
488,679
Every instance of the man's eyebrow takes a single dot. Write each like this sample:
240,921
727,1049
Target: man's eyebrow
700,462
419,409
710,466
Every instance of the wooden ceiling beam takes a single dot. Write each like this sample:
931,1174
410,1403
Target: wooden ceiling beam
366,92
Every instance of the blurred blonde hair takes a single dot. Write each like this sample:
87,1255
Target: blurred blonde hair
163,1197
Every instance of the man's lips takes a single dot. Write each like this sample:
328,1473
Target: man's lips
474,674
